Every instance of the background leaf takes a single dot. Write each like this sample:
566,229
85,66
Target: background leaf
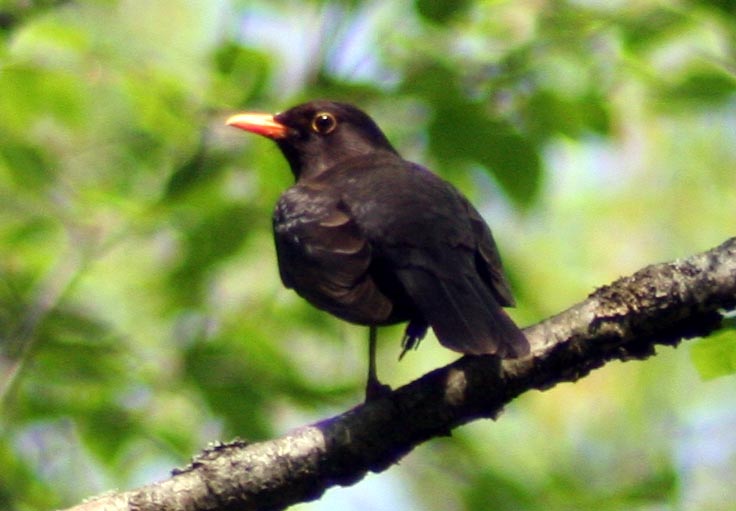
715,356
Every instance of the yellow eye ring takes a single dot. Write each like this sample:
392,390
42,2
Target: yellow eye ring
324,123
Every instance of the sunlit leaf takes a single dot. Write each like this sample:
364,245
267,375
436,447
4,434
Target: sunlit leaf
241,73
701,88
200,168
211,239
550,114
715,356
440,11
462,133
19,486
27,166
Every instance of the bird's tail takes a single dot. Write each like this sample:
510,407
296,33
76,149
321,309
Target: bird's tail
464,314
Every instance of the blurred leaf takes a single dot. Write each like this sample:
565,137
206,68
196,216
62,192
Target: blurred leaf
435,82
658,486
161,107
26,165
549,113
11,311
210,240
77,365
440,11
462,133
647,27
52,41
19,486
728,7
326,85
15,12
715,356
235,387
33,230
701,87
107,429
29,95
202,167
79,370
241,73
490,489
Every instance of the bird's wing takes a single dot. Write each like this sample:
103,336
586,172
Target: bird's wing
325,258
488,261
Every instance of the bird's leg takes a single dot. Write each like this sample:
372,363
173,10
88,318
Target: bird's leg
373,387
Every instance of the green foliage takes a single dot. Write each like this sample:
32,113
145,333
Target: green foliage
460,131
701,87
440,12
141,313
715,356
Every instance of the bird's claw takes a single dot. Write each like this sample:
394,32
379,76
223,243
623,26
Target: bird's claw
374,389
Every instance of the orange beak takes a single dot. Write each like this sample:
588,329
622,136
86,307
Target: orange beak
261,124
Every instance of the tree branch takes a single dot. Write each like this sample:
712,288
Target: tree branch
660,304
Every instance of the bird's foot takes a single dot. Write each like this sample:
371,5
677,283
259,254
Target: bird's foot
374,389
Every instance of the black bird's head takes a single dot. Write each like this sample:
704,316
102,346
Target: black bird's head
317,135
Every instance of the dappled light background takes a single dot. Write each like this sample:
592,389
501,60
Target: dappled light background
141,312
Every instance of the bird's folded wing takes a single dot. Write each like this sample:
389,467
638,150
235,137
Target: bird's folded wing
325,258
488,261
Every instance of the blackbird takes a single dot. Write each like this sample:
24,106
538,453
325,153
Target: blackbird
376,240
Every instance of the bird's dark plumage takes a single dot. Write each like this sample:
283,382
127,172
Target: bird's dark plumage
376,240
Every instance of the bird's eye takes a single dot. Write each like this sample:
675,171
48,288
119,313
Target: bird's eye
324,123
